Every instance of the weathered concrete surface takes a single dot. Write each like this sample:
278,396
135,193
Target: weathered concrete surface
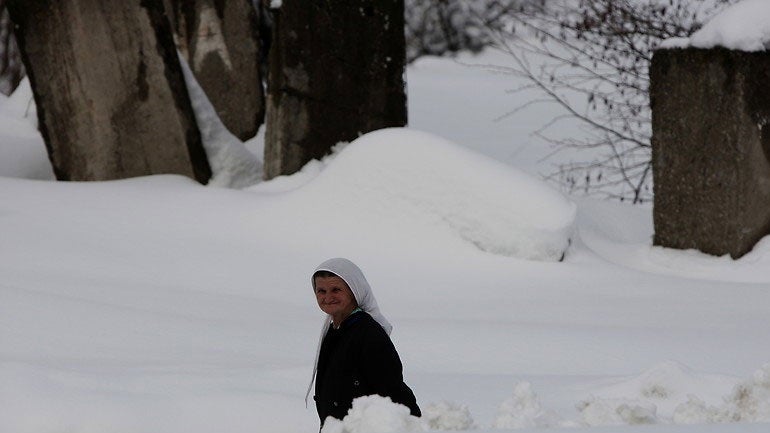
111,99
336,72
710,148
220,41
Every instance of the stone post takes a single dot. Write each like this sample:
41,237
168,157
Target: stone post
710,148
111,98
336,72
220,41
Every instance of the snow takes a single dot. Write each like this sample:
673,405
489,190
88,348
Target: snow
232,165
393,175
744,26
375,414
523,410
447,415
157,304
21,151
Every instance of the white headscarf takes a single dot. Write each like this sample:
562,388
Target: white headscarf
355,279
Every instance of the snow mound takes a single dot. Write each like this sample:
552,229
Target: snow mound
748,402
523,410
696,411
640,399
603,412
744,26
668,380
667,393
498,209
660,390
307,173
232,165
447,416
375,414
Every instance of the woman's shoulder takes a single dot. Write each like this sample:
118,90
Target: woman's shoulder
365,323
372,330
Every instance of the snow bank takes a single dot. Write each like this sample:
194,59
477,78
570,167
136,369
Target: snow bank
749,402
232,165
493,206
652,397
603,412
447,416
671,393
667,385
523,410
375,414
744,26
667,393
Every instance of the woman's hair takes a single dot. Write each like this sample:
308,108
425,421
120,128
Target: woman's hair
324,274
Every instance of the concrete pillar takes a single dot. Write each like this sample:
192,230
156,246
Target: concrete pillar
710,148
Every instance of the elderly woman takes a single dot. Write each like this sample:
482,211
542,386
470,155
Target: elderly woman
355,355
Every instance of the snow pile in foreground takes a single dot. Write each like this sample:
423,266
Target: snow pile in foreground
744,26
375,414
668,393
493,206
447,416
232,165
749,402
653,395
603,412
523,410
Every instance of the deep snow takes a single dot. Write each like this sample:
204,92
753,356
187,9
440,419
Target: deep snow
159,305
743,26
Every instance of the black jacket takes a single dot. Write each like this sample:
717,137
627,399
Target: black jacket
355,360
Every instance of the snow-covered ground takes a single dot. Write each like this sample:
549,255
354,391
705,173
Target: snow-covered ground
160,305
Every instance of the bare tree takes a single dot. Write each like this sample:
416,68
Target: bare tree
445,27
591,58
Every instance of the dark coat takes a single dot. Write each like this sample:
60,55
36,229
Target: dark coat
355,360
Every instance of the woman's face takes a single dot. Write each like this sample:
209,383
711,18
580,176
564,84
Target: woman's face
334,297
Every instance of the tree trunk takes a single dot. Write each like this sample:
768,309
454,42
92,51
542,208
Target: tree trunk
110,94
336,72
220,41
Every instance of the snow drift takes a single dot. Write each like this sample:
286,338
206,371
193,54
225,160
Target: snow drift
495,207
232,165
